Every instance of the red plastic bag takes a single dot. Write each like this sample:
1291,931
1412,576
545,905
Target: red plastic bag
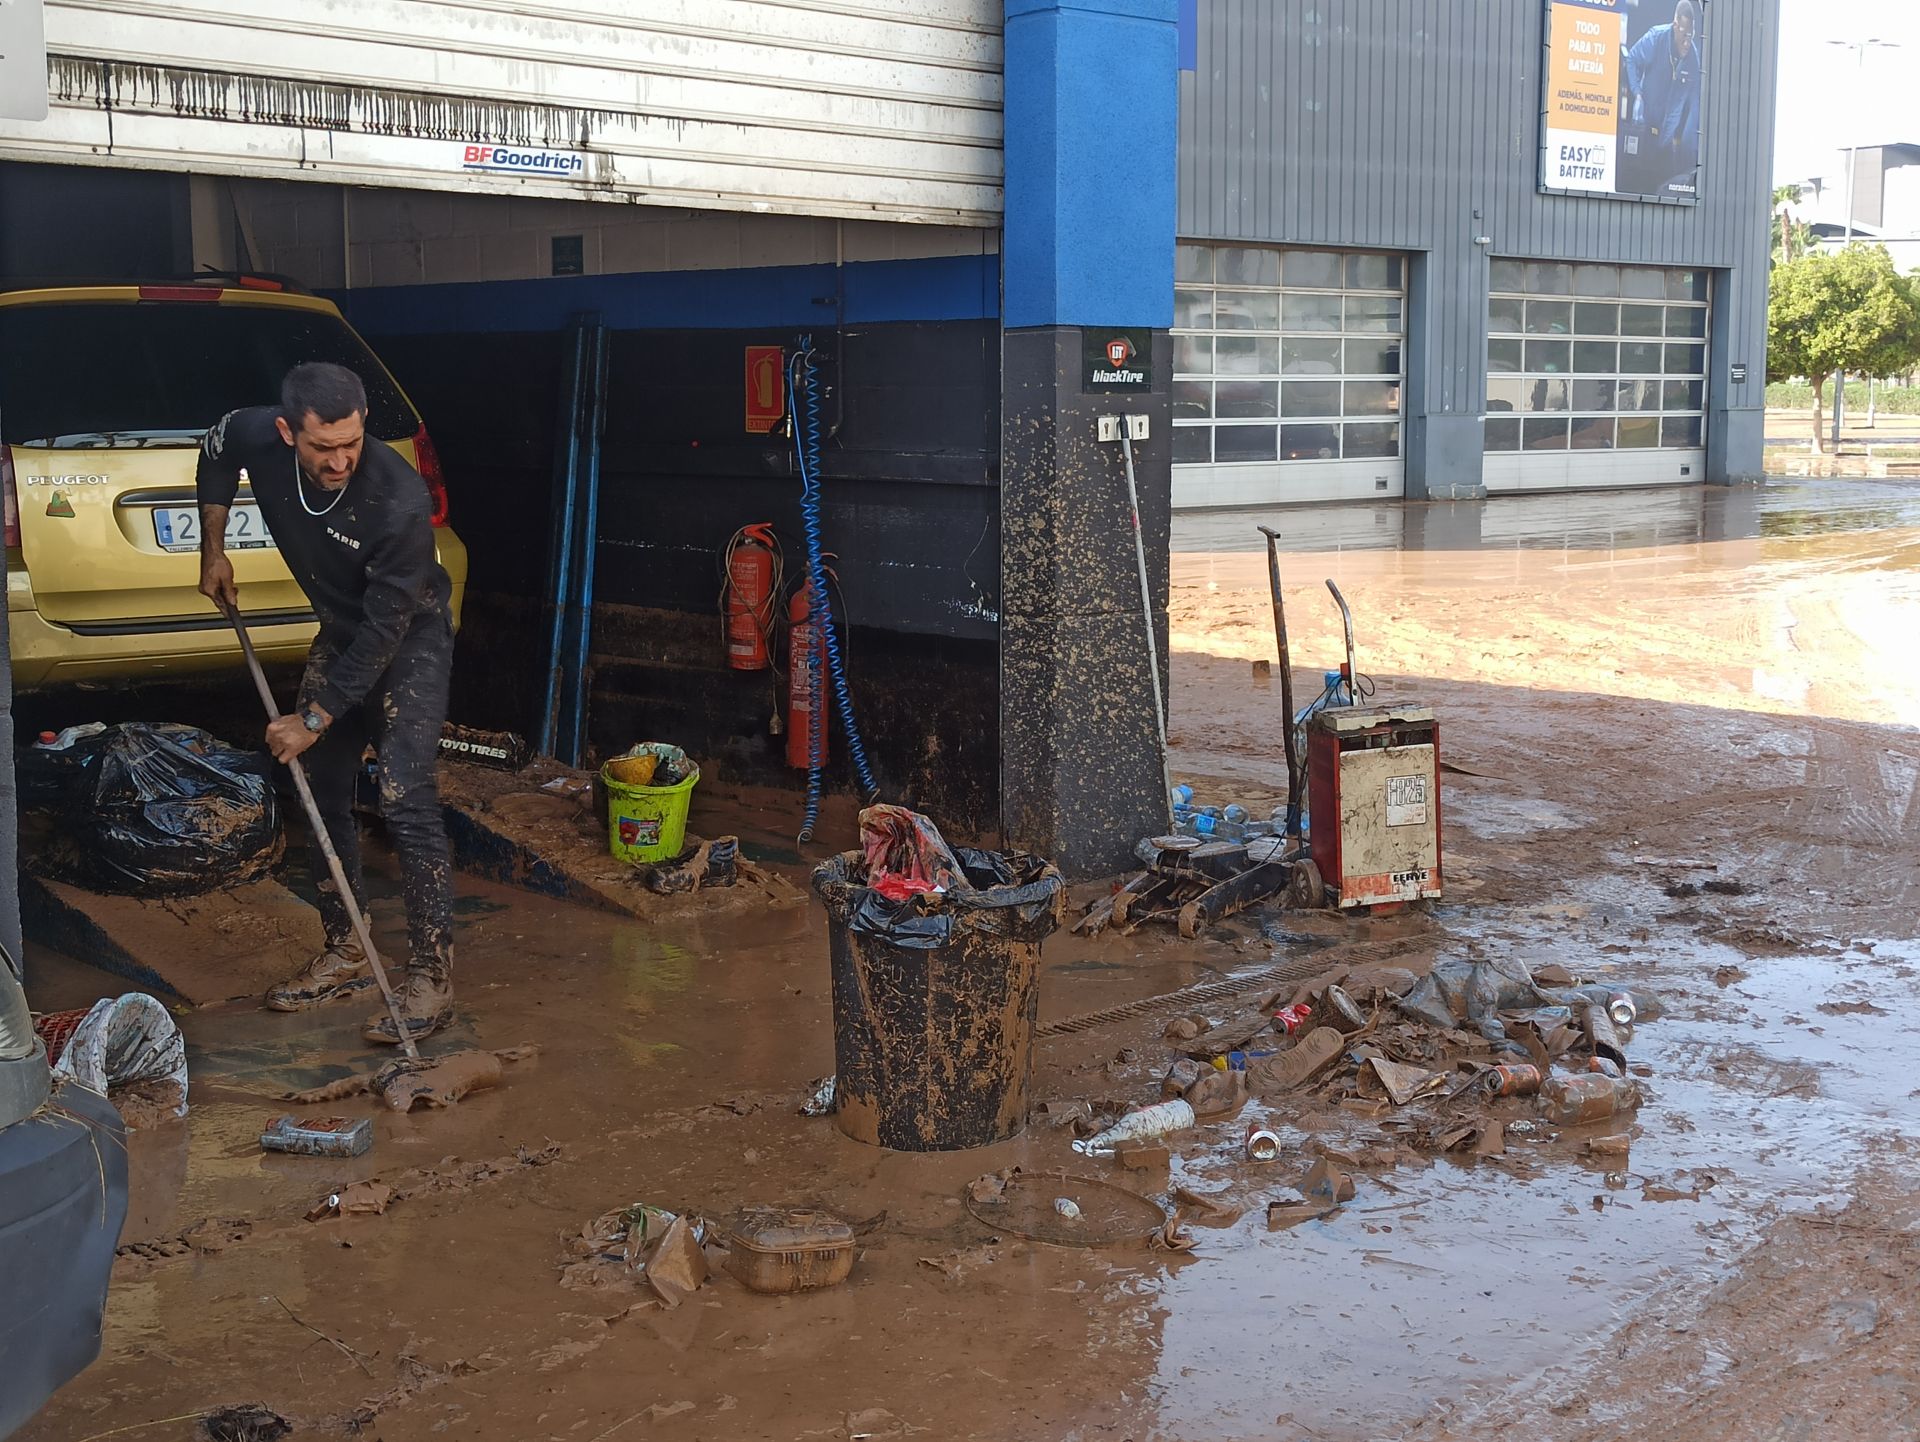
906,855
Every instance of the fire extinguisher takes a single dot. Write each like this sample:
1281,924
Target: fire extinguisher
806,690
751,570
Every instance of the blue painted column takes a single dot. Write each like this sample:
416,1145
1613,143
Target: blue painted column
1092,108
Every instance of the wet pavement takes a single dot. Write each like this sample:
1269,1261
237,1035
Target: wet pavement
1652,689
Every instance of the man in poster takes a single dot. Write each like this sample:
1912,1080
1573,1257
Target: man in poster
1659,150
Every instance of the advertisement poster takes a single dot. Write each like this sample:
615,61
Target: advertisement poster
1624,85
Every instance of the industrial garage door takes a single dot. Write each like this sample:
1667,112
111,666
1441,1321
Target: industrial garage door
1596,376
1287,375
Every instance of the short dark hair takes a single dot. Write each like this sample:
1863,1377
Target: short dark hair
1690,10
330,392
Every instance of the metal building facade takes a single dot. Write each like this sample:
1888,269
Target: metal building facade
876,112
1379,125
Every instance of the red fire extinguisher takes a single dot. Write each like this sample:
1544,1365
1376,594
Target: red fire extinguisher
751,600
806,690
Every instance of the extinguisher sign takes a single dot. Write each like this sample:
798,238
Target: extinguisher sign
766,388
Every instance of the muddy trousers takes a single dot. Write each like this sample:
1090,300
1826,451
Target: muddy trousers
401,718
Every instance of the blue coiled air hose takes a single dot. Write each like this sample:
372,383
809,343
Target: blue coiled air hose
803,384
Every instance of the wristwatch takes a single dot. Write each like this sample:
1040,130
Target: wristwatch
312,720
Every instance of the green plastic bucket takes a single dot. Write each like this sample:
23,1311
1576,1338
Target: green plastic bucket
646,824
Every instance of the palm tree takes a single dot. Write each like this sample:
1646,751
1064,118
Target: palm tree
1796,236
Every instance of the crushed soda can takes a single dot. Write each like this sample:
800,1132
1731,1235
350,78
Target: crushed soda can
820,1103
1290,1019
319,1136
1621,1009
1262,1144
1518,1080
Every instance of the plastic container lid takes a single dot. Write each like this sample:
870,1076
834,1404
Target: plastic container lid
789,1229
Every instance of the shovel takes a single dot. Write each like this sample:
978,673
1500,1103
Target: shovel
334,868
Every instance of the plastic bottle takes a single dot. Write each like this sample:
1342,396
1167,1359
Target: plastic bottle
61,740
1140,1126
1236,813
1183,795
1335,691
1577,1099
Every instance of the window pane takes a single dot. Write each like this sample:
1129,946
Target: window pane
1312,312
1192,444
1310,443
1244,265
1246,310
1639,359
1507,275
1639,396
1193,263
1549,278
1596,357
1373,440
1243,443
1549,317
1192,354
1310,398
1593,395
1505,393
1549,434
1505,316
1590,319
1686,360
1309,357
1545,395
1373,272
1192,309
1551,356
1245,355
1247,400
1503,356
1599,281
1371,398
1639,433
1310,270
1686,320
1680,431
1502,435
1686,285
1373,312
1639,282
1592,433
1190,400
1681,395
1642,320
1374,357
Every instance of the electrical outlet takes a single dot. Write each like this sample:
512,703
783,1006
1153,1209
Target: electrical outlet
1109,428
1136,428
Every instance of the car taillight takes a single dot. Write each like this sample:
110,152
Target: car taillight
13,496
426,460
179,292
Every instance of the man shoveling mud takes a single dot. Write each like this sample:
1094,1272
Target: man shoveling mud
350,517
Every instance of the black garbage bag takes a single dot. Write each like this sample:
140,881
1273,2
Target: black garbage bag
171,811
1014,896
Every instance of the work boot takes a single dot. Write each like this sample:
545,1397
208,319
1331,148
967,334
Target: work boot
340,970
426,1005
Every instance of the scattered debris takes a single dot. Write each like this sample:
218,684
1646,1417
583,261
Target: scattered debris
798,1249
247,1422
1025,1204
358,1200
319,1136
1148,1122
956,1264
129,1049
404,1083
1327,1184
819,1102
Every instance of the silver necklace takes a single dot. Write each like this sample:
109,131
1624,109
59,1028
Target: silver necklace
300,489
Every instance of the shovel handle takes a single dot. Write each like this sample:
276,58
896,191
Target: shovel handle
312,808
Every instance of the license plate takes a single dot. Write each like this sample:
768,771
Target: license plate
177,528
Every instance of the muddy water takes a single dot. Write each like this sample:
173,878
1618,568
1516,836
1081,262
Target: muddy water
675,1057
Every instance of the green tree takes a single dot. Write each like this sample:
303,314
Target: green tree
1792,237
1835,311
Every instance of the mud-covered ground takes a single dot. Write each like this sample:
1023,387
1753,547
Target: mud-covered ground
1645,693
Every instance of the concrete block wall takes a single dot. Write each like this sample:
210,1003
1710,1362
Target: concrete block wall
332,237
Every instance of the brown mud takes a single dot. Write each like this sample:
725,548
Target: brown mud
1642,696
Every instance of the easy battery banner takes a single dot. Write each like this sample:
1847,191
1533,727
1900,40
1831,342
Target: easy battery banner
1623,86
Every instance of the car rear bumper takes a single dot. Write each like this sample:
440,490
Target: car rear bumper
63,1200
46,653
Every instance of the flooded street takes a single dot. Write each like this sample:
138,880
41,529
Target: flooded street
1640,695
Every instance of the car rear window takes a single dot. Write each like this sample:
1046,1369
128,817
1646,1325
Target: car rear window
161,366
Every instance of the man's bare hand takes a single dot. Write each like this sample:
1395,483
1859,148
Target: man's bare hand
288,738
216,581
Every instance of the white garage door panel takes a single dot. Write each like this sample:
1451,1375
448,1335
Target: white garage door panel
884,112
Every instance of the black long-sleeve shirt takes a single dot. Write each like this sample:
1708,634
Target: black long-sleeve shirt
366,561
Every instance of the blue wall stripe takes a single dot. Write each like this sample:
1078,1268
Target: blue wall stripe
965,287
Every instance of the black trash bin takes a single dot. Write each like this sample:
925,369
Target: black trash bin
934,1000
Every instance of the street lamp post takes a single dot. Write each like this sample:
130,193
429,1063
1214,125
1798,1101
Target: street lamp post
1859,49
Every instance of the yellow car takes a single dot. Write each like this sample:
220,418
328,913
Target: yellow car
105,392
